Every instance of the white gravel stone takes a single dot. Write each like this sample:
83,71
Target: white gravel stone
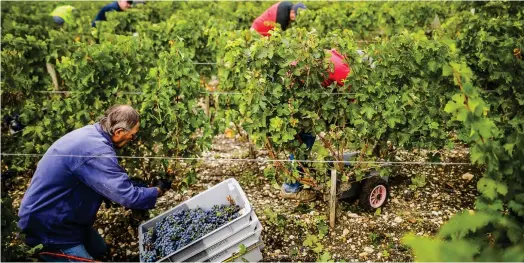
368,250
467,176
353,215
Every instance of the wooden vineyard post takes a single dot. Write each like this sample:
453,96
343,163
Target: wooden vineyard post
52,73
208,112
333,198
216,103
252,150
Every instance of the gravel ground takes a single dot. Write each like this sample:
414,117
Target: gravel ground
358,235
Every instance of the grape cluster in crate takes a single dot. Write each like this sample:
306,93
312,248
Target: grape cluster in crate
183,227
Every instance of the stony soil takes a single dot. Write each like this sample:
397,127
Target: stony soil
358,235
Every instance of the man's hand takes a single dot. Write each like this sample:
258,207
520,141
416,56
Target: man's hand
163,185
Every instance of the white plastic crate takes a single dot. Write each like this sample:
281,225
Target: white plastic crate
253,255
220,245
216,195
233,249
228,246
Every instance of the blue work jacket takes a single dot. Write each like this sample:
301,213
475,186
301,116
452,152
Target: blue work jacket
70,182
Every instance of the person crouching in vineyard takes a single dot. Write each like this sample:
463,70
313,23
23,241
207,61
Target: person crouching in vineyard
119,6
282,13
72,179
339,74
64,14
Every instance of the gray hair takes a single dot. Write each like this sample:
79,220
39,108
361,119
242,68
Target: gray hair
119,117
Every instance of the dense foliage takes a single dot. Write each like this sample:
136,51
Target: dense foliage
490,43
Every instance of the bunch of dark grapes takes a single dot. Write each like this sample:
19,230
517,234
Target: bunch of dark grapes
149,254
179,229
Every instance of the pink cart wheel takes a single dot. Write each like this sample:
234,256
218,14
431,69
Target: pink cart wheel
378,196
374,193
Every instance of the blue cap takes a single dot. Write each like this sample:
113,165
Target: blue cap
297,6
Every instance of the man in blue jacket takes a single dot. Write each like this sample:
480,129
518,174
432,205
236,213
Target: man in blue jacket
119,6
75,175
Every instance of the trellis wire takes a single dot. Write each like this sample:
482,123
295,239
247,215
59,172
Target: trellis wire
232,159
76,91
209,93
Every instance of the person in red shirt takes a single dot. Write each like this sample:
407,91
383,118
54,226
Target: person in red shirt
339,74
282,13
341,69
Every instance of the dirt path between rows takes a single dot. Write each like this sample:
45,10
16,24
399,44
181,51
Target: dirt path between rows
358,235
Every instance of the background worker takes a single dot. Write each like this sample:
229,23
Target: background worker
63,14
339,74
119,6
282,13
